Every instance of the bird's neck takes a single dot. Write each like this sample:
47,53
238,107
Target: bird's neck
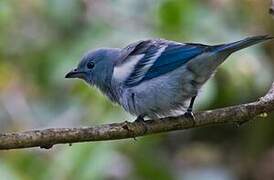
104,81
110,91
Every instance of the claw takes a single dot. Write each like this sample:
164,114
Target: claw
239,124
189,114
140,119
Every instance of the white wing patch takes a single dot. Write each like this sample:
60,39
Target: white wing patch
140,73
122,71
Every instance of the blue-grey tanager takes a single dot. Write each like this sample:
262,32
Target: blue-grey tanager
155,78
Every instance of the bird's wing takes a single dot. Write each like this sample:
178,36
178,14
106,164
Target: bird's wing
145,60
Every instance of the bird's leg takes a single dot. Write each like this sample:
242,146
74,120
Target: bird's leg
188,112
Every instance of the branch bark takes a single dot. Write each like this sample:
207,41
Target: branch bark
48,137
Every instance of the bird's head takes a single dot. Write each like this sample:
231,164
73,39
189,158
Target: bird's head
96,67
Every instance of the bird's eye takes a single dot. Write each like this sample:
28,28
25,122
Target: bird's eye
90,65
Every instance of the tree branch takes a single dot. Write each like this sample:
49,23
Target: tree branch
48,137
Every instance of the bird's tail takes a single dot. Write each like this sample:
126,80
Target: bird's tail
235,46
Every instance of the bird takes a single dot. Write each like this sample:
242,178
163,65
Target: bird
156,78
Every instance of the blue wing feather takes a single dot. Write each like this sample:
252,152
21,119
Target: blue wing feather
173,56
134,75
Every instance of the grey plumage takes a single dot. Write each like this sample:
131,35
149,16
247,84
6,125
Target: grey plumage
155,78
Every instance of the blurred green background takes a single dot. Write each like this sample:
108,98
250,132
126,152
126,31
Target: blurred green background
41,40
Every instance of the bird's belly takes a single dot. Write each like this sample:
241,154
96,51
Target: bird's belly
167,95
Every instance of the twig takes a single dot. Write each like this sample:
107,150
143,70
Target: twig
48,137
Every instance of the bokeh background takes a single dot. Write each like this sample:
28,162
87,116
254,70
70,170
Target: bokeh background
41,40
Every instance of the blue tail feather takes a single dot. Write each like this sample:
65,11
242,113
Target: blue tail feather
235,46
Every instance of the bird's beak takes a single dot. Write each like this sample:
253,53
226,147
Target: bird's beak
75,73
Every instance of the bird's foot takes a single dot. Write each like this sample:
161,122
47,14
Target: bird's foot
140,119
189,115
239,124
